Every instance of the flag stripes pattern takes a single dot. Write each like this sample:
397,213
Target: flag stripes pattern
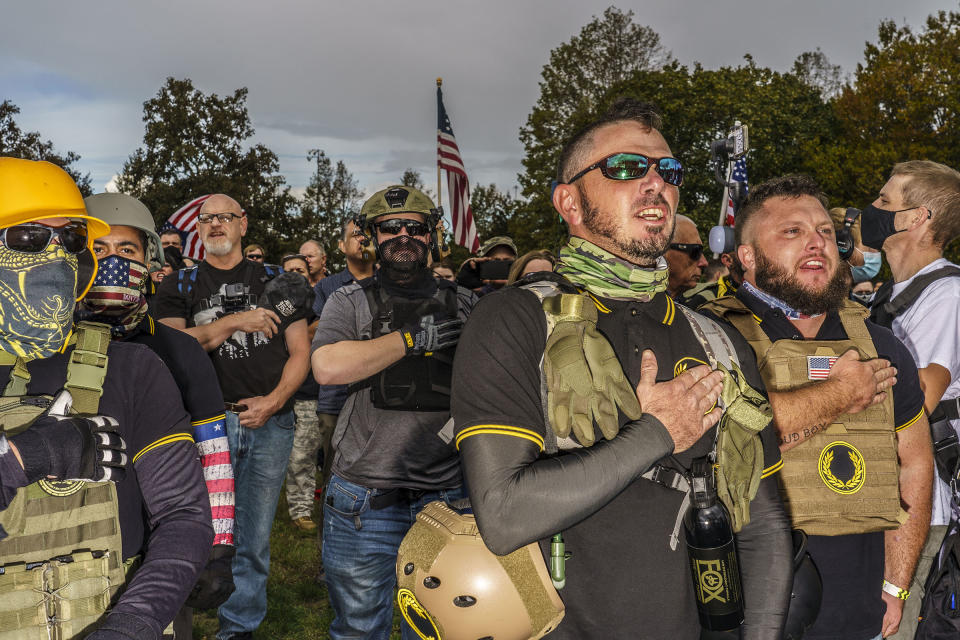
211,437
448,157
818,367
184,222
739,174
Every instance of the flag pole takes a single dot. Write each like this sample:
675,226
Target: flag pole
439,82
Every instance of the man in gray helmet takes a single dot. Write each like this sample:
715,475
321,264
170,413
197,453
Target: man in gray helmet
117,297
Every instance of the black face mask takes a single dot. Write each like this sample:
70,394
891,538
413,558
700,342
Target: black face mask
876,225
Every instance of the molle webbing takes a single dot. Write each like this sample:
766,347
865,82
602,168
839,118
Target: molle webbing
61,569
844,478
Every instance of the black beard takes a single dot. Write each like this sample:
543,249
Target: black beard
779,283
403,259
641,252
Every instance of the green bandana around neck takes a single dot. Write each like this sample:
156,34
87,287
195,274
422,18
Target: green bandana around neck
607,276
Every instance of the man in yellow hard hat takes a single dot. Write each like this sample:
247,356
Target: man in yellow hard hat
107,523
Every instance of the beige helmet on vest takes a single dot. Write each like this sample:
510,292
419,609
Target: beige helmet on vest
451,587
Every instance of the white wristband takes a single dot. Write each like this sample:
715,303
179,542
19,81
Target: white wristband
895,591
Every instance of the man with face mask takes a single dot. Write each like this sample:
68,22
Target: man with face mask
916,215
391,337
853,450
87,514
118,298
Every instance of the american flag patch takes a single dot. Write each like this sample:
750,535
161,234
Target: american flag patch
818,367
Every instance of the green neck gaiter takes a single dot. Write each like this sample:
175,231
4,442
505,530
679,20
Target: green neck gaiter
607,276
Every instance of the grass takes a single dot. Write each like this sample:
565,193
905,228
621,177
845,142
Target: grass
297,606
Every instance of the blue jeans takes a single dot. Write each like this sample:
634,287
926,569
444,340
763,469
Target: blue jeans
360,556
259,466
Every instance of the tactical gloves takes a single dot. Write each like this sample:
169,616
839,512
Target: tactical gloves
585,381
429,334
71,447
215,583
739,450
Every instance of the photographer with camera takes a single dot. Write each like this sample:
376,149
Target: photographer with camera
491,268
261,356
391,337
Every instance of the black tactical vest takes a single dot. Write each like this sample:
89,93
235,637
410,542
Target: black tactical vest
414,383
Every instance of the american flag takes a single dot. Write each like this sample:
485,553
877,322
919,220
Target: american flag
818,367
211,438
739,174
184,222
448,157
114,279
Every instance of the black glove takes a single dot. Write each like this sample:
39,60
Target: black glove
123,626
215,582
71,447
429,334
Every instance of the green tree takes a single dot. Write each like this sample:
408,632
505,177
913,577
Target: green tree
492,211
331,197
814,68
30,145
573,84
193,144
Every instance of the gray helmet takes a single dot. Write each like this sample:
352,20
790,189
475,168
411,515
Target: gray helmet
124,210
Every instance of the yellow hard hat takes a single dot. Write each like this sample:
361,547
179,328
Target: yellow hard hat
32,190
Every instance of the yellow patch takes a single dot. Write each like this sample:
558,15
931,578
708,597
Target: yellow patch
416,616
61,488
409,339
842,467
685,363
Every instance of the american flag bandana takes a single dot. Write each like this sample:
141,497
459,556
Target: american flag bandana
818,367
117,297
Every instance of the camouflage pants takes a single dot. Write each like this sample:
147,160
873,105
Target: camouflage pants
302,469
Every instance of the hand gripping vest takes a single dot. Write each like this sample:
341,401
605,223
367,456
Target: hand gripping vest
414,383
844,479
61,566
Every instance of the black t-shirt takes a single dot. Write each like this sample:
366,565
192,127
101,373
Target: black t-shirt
189,365
850,566
247,364
623,580
139,393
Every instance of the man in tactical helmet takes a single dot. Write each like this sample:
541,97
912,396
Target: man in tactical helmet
914,218
391,337
856,452
581,401
260,352
110,523
118,298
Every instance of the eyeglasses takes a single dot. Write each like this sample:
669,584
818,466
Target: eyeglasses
34,238
393,227
631,166
692,250
224,218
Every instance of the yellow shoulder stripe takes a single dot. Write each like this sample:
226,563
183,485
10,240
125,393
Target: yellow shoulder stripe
757,318
502,430
197,423
671,312
772,469
910,421
602,308
165,440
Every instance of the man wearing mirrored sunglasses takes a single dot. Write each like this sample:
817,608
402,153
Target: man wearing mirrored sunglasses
684,258
390,337
109,524
569,390
260,361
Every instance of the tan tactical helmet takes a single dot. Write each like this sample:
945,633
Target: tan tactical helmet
395,199
451,587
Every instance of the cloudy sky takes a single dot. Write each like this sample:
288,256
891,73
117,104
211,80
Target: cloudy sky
357,79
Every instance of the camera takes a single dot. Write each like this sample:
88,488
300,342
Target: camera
722,153
233,299
494,269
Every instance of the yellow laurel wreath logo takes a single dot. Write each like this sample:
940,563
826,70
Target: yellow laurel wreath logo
685,363
416,616
61,488
825,467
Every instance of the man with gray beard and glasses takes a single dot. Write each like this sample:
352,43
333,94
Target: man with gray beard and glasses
260,351
857,458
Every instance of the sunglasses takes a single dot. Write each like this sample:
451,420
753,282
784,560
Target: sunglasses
224,218
254,256
34,238
692,250
393,227
631,166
